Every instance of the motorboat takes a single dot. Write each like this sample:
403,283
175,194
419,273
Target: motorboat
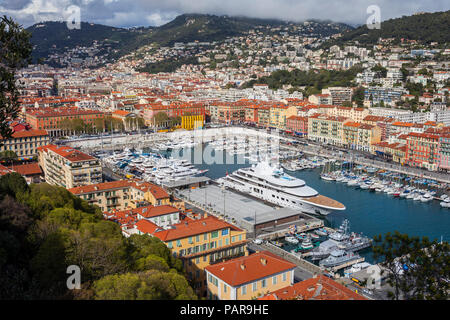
338,257
445,203
291,239
426,197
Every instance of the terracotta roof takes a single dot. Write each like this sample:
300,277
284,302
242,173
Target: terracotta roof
68,153
27,169
318,288
246,269
121,113
189,229
100,187
146,226
151,211
4,170
28,133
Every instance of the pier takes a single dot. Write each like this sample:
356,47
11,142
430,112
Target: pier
409,171
347,264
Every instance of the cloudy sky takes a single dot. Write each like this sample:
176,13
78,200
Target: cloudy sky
128,13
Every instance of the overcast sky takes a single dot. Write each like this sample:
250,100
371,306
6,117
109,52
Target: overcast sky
128,13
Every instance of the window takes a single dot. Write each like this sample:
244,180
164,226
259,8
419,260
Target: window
225,287
284,276
224,232
255,286
205,236
197,238
169,245
244,290
274,280
233,239
214,234
264,283
178,243
227,241
240,237
190,240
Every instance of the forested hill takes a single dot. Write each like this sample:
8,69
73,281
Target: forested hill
54,37
425,27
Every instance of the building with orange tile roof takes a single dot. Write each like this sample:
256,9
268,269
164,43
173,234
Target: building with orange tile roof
199,242
326,129
422,150
123,194
298,125
316,288
25,143
30,171
68,167
249,277
360,136
53,119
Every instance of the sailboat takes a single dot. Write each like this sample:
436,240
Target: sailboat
326,173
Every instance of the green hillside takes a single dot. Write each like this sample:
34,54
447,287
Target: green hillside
55,37
427,27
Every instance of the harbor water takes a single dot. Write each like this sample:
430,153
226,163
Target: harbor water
370,213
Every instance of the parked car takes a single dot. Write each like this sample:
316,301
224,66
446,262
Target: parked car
257,241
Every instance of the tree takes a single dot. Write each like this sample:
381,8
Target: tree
15,51
160,119
8,156
150,285
416,268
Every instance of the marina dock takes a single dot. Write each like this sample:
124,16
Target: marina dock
347,264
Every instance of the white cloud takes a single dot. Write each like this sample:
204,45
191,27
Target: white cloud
156,12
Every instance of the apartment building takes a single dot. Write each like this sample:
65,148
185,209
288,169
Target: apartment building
279,113
318,99
54,119
199,242
444,152
379,94
326,129
422,150
249,277
360,136
67,167
298,125
339,95
123,194
25,143
356,114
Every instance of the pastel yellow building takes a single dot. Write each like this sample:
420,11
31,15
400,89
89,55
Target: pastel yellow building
192,122
68,167
249,277
279,114
326,129
199,242
360,136
123,194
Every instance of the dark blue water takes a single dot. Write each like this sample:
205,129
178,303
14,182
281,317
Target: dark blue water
370,213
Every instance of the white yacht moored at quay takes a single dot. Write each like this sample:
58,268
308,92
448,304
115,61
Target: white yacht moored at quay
271,184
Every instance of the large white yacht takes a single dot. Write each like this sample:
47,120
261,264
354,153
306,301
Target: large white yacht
273,185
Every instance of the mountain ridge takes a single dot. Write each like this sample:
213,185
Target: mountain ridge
53,37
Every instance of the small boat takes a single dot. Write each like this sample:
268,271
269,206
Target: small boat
445,203
321,232
314,235
426,197
291,239
306,244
